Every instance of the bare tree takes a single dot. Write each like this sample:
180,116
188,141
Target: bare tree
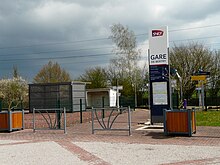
15,72
189,59
214,80
124,66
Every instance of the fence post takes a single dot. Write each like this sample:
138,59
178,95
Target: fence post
129,120
81,118
103,106
22,118
64,111
58,114
92,120
33,119
205,101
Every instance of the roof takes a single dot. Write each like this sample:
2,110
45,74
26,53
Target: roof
60,83
99,90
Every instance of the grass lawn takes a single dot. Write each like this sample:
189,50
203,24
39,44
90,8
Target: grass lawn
208,118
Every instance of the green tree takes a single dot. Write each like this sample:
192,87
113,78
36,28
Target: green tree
124,66
97,76
189,59
52,73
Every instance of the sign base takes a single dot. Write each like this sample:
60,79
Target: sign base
157,119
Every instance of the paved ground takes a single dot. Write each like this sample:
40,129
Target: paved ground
80,146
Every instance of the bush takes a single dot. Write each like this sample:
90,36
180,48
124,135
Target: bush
12,91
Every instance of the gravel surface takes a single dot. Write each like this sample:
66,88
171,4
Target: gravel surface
52,153
48,153
122,153
11,141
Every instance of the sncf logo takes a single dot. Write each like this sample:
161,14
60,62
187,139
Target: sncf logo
156,33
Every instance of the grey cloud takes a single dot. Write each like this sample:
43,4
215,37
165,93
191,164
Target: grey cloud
194,10
29,22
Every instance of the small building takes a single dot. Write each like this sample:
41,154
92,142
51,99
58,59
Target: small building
57,95
101,97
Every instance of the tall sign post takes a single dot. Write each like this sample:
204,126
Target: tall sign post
159,69
201,77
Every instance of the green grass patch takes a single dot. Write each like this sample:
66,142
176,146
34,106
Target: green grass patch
208,118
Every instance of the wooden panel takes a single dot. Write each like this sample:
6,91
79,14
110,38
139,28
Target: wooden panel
193,121
4,121
177,121
17,120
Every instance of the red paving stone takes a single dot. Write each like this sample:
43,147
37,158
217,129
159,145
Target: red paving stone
82,154
83,132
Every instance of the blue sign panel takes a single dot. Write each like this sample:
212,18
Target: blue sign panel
159,92
159,73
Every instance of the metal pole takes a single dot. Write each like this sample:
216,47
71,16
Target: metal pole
200,100
64,109
181,86
9,121
92,120
205,101
189,122
81,118
58,114
33,119
165,122
103,106
129,120
22,118
181,91
203,96
117,94
135,92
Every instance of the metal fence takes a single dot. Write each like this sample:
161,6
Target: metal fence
126,101
52,119
106,124
209,101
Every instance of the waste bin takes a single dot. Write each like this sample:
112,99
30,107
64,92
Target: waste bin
179,122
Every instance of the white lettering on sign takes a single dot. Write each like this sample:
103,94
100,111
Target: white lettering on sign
158,58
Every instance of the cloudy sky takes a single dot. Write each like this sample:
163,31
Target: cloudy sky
75,33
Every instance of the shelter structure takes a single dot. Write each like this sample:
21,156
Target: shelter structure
101,97
58,95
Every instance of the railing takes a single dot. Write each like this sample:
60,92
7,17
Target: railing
52,117
106,124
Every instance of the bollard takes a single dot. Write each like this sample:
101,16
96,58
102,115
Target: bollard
81,118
